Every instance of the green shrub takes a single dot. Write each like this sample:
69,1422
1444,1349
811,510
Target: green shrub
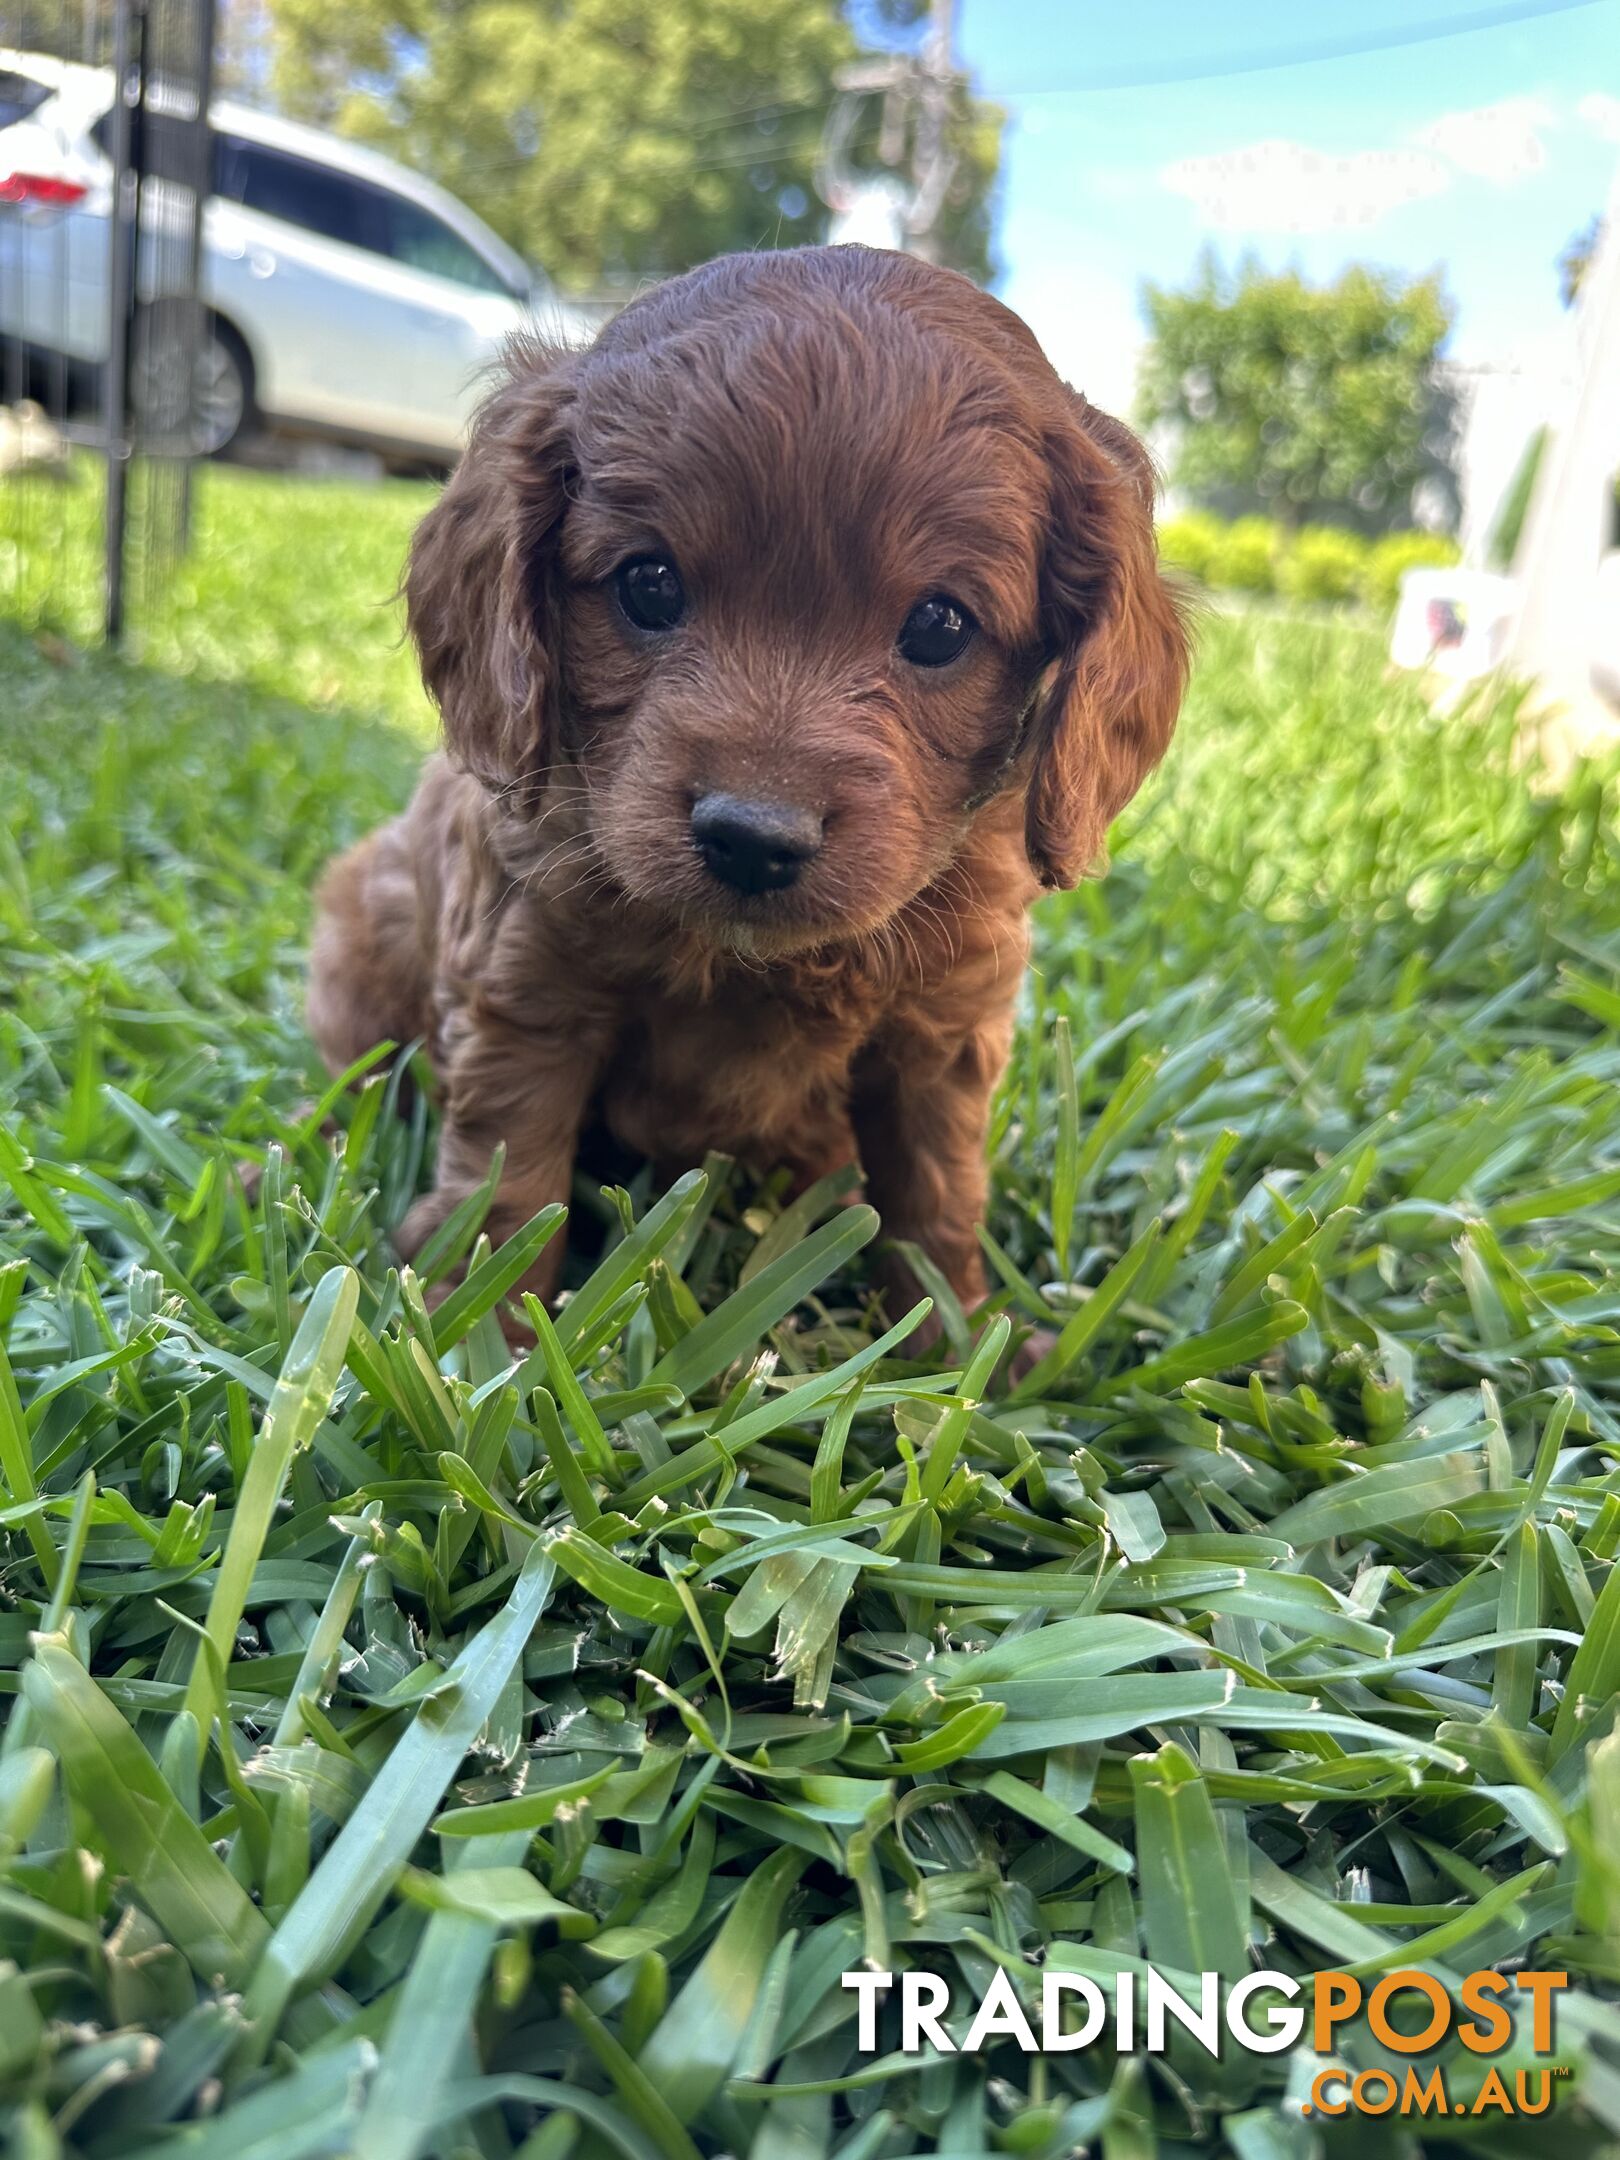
1246,559
1319,562
1322,562
1191,542
1391,558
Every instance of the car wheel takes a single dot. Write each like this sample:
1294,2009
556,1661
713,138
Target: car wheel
209,417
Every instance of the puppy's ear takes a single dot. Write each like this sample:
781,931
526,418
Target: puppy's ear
1119,644
481,587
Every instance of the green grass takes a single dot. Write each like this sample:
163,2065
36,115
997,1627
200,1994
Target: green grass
406,1755
289,588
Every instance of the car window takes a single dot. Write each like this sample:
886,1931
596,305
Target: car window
320,200
20,95
302,193
414,236
229,169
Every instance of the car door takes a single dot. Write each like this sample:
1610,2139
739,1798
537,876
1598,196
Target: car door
292,258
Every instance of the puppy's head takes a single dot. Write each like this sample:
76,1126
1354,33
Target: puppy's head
806,561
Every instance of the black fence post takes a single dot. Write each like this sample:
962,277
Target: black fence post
206,16
123,243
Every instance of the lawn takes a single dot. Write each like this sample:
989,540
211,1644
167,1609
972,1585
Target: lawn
409,1755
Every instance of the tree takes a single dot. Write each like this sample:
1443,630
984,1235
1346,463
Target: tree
607,141
1298,400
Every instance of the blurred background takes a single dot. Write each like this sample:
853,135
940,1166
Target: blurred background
1346,269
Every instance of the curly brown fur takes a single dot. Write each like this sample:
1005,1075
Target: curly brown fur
818,440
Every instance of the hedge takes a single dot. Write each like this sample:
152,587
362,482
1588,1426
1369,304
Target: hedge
1310,562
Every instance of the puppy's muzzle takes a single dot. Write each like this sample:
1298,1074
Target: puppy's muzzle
754,847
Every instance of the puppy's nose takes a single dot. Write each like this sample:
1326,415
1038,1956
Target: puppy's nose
754,847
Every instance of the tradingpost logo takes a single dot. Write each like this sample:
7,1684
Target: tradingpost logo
1265,2013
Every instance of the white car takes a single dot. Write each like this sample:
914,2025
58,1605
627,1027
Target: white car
345,296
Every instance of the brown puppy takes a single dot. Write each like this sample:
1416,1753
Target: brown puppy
787,641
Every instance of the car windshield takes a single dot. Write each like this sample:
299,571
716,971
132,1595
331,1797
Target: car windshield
514,273
414,236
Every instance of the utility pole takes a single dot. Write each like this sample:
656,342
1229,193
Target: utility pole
898,203
933,165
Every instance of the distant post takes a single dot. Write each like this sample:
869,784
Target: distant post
1571,519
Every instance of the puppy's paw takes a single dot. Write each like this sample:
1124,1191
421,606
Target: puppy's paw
250,1174
542,1279
924,1337
1027,1356
415,1234
420,1221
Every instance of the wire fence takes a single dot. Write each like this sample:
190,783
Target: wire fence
105,161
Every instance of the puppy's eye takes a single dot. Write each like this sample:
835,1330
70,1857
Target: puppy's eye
936,631
651,592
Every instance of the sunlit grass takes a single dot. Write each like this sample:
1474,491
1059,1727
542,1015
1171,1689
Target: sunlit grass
290,584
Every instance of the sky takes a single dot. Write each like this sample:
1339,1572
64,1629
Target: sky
1479,152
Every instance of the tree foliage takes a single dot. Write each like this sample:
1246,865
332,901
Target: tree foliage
1299,399
603,140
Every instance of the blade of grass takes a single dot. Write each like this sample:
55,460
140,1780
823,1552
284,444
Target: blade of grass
363,1861
301,1400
